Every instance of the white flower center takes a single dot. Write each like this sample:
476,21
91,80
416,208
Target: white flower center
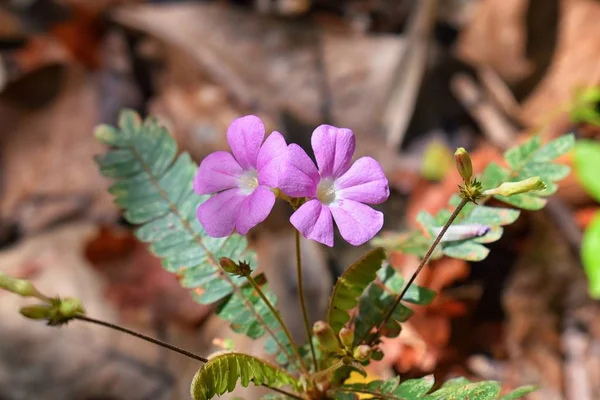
326,191
249,181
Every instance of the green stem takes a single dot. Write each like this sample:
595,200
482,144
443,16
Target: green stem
424,261
278,317
167,346
303,302
292,395
143,337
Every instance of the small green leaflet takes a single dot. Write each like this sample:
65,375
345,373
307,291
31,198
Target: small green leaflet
418,389
380,296
222,372
351,285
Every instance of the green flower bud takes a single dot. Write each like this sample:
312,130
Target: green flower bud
70,308
326,337
463,164
346,337
362,353
511,188
21,287
36,312
231,267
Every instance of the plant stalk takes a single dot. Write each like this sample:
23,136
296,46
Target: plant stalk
168,346
424,261
143,337
264,298
303,302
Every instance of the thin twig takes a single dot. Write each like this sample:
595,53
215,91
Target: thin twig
424,261
278,318
281,391
409,73
303,302
167,346
143,337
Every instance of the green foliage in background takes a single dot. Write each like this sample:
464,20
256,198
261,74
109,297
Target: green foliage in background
525,161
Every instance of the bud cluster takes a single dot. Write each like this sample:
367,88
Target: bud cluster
341,345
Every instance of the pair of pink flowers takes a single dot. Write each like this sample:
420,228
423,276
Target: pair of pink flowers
244,185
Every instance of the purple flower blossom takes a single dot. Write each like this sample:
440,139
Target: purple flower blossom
337,189
241,184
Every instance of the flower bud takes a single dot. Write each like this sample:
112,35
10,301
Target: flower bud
21,287
362,353
230,266
326,337
36,312
463,164
346,337
511,188
70,308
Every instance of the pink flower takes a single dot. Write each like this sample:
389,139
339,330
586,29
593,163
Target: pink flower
240,183
336,189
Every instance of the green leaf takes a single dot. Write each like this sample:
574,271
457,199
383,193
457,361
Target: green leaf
526,201
222,372
466,250
587,165
518,156
553,150
462,389
415,388
379,297
590,256
154,188
529,160
494,175
351,285
519,392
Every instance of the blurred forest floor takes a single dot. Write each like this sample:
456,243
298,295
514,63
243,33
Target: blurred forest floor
413,78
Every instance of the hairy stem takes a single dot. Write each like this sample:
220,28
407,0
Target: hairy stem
278,317
286,393
143,337
303,302
168,346
424,261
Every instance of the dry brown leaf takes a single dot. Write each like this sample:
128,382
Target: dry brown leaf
496,37
48,170
574,64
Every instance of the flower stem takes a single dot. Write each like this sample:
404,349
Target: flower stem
167,346
278,317
424,261
286,393
143,337
303,302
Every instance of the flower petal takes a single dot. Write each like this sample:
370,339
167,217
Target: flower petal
270,160
334,148
299,176
313,221
218,214
364,182
358,223
254,209
218,171
245,136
